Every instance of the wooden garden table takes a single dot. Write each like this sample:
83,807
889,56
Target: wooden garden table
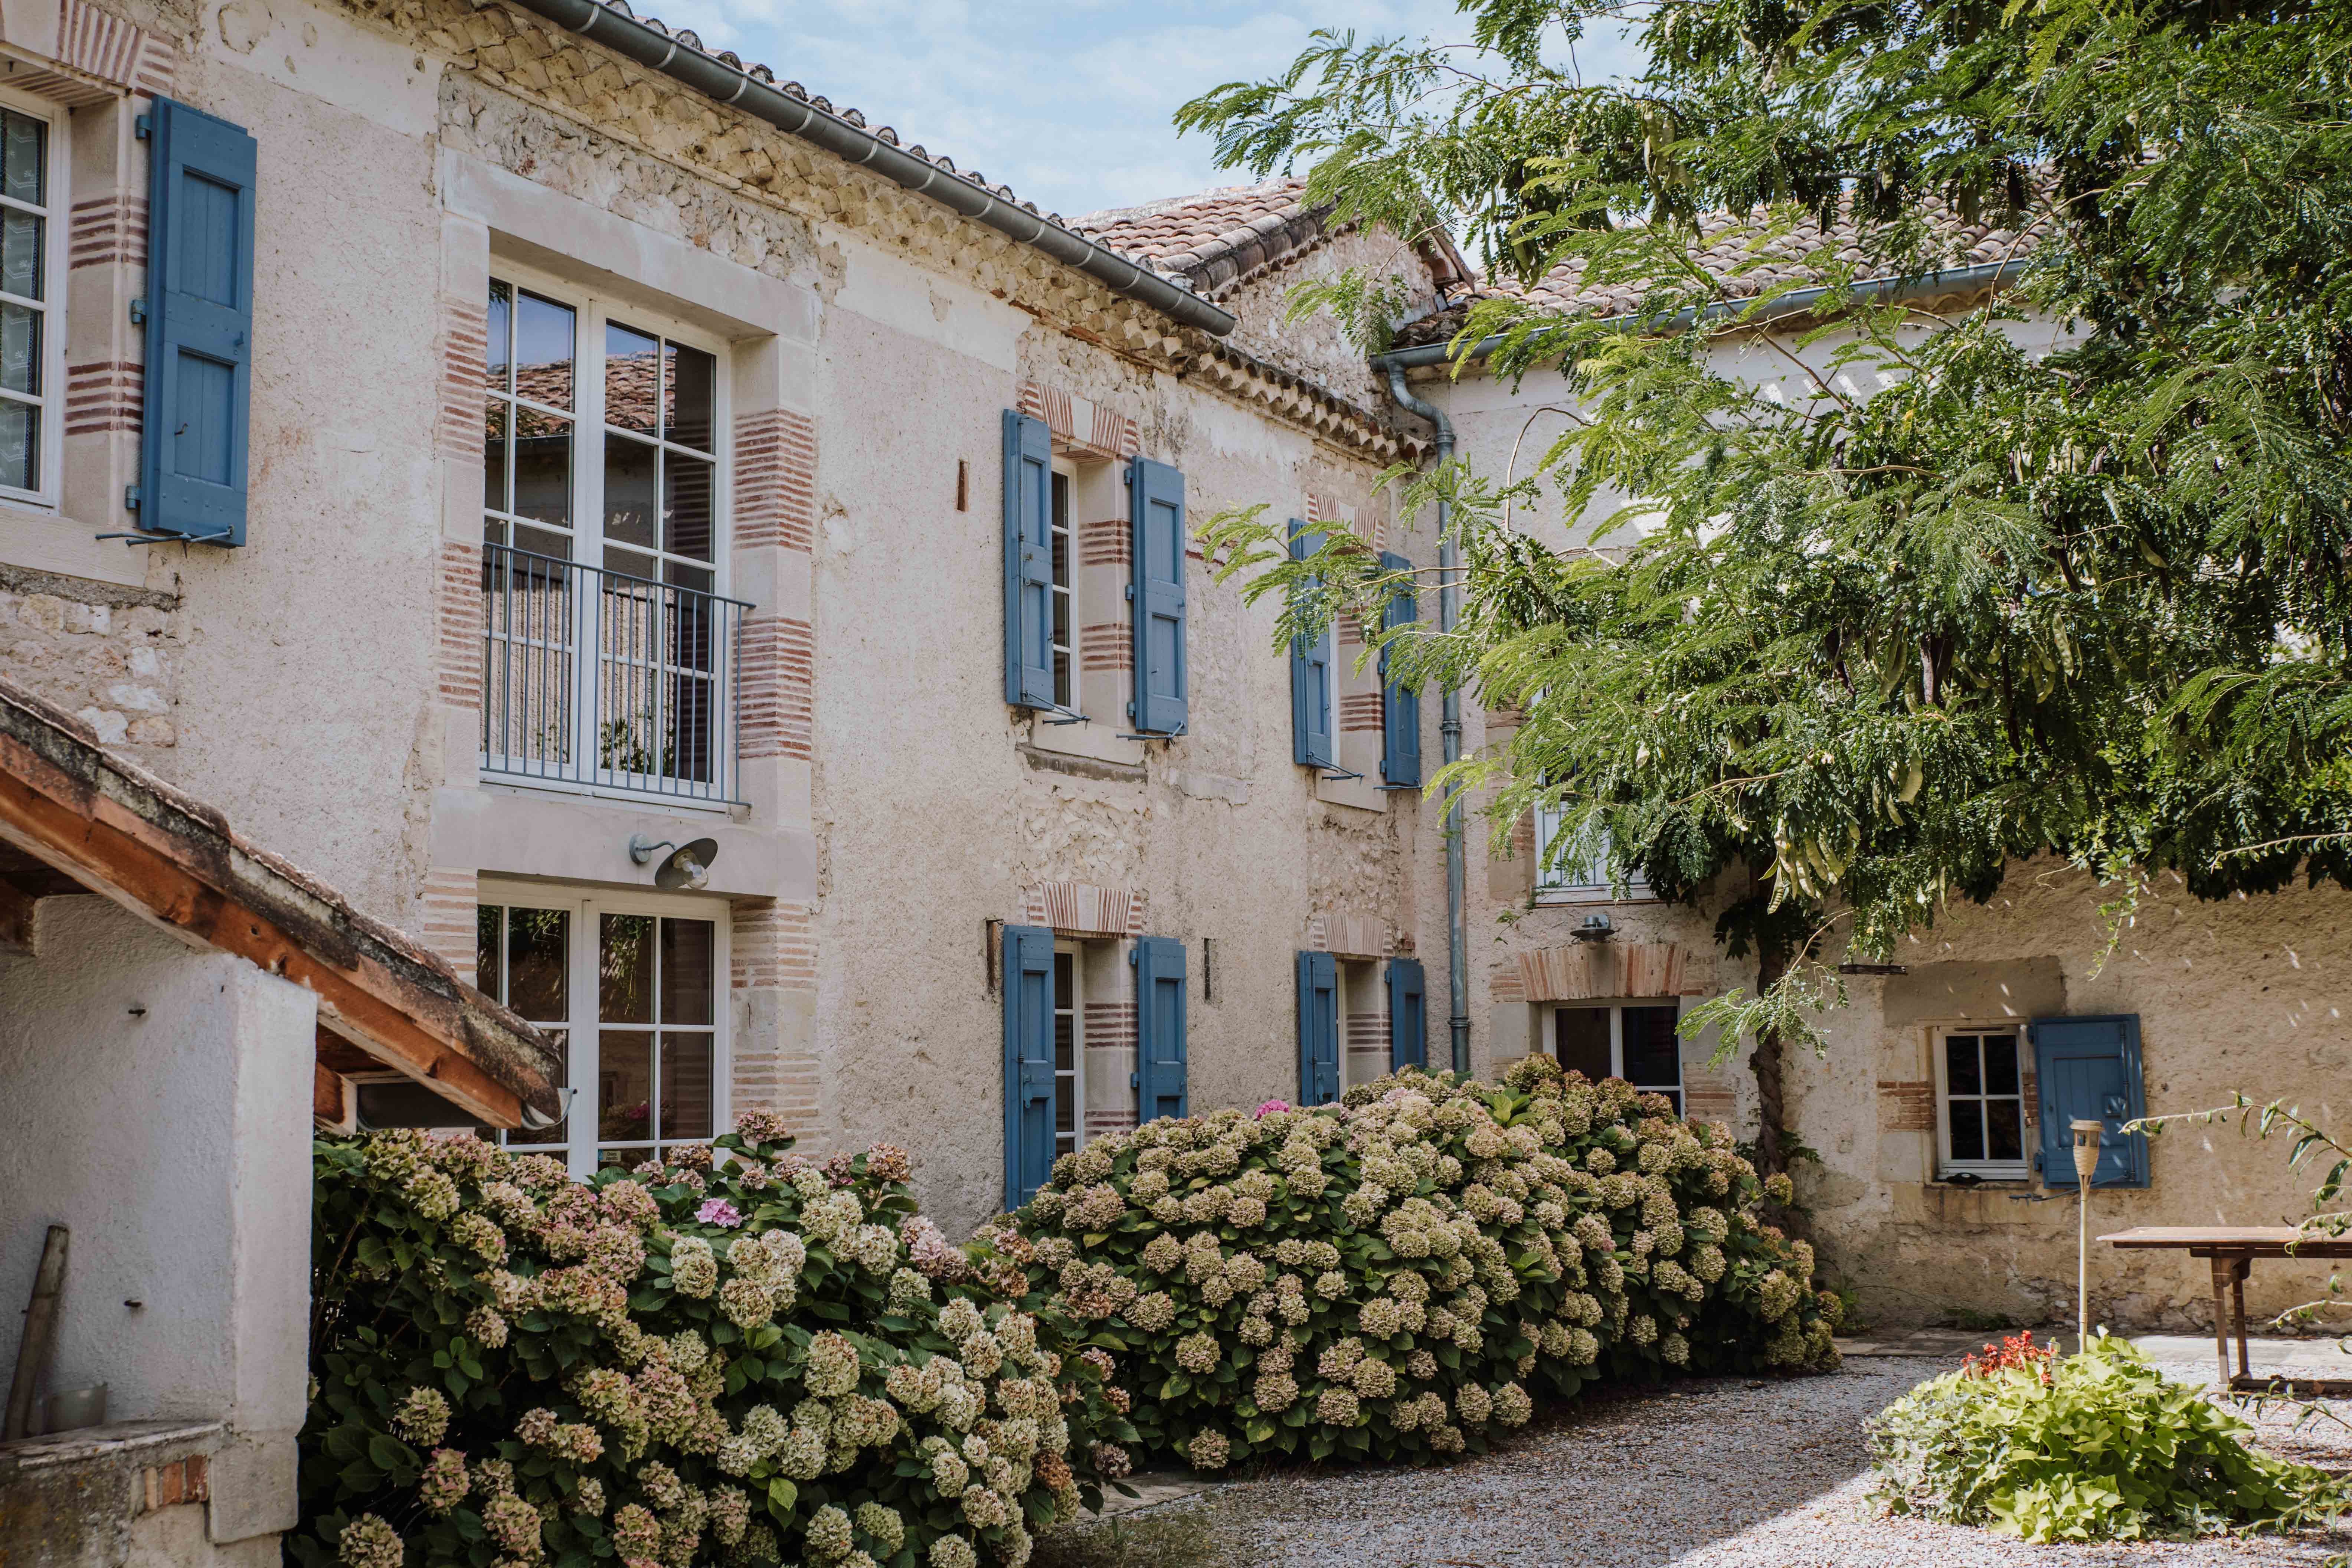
2232,1250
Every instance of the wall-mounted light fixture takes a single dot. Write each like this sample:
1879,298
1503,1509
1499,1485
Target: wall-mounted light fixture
688,866
1596,928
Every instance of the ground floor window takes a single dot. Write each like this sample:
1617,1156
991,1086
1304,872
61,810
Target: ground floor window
630,989
1632,1040
1069,1049
1980,1104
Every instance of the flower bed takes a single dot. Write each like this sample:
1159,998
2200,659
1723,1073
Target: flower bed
770,1360
2096,1447
1397,1277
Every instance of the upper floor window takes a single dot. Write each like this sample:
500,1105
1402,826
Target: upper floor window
1583,883
31,340
600,439
609,653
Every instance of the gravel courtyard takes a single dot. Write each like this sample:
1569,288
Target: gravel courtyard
1722,1473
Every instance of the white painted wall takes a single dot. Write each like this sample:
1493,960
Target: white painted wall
175,1144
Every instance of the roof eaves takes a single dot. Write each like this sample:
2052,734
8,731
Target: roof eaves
724,78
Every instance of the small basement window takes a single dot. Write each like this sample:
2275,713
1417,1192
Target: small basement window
1981,1105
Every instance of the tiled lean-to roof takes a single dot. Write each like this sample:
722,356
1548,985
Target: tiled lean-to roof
1727,245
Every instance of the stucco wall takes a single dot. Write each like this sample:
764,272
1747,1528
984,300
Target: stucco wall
159,1106
937,807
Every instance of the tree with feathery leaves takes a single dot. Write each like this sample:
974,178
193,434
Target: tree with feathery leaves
1860,655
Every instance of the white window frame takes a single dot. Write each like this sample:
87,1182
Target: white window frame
593,310
1583,884
582,1027
2017,1169
57,216
1679,1088
1062,528
1075,953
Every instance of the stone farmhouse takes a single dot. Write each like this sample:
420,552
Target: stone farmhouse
720,579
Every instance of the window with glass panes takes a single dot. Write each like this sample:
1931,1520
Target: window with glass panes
1980,1104
1066,560
1635,1041
631,992
31,338
1069,1051
600,438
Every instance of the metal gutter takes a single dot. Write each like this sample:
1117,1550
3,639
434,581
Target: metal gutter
714,78
1796,302
1457,937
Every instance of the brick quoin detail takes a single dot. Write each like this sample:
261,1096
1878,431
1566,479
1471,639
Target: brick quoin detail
779,687
106,229
181,1480
1087,429
457,650
465,347
1104,541
1708,1096
1110,1026
1368,1031
1107,645
1906,1107
1359,711
447,908
104,396
775,481
774,949
112,50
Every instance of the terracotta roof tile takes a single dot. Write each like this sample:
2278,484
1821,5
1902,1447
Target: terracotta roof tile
1224,237
1727,246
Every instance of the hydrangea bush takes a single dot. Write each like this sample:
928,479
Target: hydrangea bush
749,1359
1400,1275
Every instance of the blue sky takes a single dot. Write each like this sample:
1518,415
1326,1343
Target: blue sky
1067,102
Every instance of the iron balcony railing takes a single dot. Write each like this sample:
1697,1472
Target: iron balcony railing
592,679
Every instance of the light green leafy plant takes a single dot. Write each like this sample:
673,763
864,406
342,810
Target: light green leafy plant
1401,1276
2096,1447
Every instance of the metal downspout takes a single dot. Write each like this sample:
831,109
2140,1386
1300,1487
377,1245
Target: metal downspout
1457,941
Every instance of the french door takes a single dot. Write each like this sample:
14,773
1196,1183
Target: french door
631,987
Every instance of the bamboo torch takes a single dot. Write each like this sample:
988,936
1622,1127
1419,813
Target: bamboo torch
2087,1161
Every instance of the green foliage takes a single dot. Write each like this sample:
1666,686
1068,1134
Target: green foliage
1905,597
2097,1446
755,1361
1399,1276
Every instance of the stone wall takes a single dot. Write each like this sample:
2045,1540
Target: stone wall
110,655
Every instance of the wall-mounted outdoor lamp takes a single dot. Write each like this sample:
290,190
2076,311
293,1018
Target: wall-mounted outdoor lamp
688,867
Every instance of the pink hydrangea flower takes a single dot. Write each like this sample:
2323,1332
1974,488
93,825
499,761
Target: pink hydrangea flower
1271,1106
720,1213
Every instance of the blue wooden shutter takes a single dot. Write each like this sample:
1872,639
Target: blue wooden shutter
1319,1028
1311,677
1399,707
1408,1015
2089,1067
1159,1026
1028,1062
1155,501
1028,561
199,375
